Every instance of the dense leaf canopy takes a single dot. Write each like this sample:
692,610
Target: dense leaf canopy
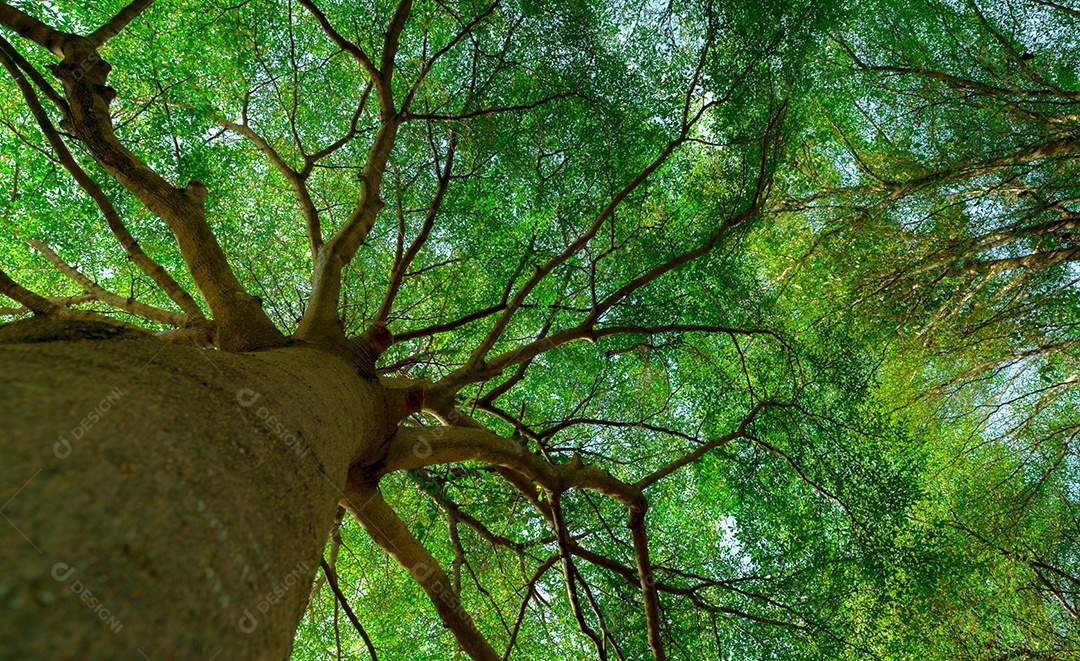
803,272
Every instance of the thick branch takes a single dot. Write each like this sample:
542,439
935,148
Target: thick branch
647,582
13,62
114,25
417,447
242,323
321,318
33,301
1037,260
341,42
47,307
62,301
92,288
366,503
31,28
414,447
1061,147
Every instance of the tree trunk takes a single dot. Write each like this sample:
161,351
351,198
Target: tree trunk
166,500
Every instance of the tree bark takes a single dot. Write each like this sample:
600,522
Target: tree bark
164,500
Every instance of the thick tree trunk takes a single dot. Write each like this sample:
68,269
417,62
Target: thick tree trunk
167,501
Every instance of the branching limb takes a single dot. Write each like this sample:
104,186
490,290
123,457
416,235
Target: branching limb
114,25
92,288
488,111
1037,260
48,307
292,176
365,502
31,28
297,178
402,266
1062,8
478,368
530,590
687,459
465,373
62,301
341,42
242,323
570,576
331,578
430,62
416,447
412,448
453,509
16,65
321,321
32,301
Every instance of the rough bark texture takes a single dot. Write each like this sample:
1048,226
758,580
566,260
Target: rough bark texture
166,500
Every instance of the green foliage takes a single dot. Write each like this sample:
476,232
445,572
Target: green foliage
908,488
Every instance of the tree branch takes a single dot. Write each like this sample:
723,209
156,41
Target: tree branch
48,307
687,459
31,28
402,266
416,447
1042,259
365,502
569,575
1062,8
241,322
32,301
341,42
488,111
530,590
13,62
331,578
411,448
62,301
117,23
292,176
92,288
321,318
477,368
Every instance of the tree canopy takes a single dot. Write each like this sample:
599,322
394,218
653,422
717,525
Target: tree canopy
743,330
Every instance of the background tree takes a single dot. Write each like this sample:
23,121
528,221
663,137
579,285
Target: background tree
950,185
